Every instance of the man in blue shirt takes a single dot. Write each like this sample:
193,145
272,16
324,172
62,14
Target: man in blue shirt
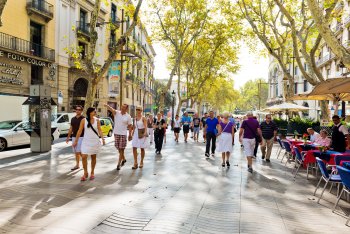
210,132
185,123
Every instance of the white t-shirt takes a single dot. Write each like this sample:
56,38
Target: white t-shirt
314,136
177,123
121,123
343,129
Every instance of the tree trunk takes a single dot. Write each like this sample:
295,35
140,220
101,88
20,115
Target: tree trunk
324,110
2,6
327,34
91,91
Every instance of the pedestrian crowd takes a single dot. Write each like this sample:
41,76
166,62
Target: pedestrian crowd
218,135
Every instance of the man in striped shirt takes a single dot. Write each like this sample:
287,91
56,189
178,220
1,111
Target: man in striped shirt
269,133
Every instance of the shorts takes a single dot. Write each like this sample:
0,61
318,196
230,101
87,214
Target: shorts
120,141
196,130
249,145
77,149
176,130
186,129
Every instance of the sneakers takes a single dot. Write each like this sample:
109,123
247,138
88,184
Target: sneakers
213,154
263,157
207,155
267,160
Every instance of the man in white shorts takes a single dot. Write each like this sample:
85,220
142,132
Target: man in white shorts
249,130
73,130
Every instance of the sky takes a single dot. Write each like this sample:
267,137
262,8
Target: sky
252,66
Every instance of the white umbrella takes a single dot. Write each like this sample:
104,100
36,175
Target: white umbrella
286,106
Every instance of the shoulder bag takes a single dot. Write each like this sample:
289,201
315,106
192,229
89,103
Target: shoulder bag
257,136
93,129
140,132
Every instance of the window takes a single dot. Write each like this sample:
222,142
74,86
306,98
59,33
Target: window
36,38
36,75
328,72
295,88
296,70
305,85
63,119
113,13
83,17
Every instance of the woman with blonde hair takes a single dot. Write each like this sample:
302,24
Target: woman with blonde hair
226,137
139,139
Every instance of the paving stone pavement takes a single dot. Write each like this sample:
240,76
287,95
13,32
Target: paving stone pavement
179,191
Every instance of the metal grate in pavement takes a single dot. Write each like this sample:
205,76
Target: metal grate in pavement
117,221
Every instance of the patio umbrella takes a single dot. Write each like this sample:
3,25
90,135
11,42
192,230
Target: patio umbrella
286,106
321,97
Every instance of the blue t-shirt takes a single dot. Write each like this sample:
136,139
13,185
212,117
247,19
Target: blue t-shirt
186,120
211,123
232,120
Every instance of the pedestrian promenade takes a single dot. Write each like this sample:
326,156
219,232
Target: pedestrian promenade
179,191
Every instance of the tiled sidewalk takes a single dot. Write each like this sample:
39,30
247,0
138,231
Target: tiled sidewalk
178,192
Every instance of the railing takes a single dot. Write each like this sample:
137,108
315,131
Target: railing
41,6
26,47
338,28
347,21
338,6
83,27
323,60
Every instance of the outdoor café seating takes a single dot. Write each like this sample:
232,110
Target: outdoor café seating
344,174
328,178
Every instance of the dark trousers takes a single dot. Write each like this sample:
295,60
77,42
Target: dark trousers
256,147
158,141
210,138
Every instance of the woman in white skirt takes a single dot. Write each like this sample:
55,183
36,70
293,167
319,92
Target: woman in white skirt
91,143
226,138
139,139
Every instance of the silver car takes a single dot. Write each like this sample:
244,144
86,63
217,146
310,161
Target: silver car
12,133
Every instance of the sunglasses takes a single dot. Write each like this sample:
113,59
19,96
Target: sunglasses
78,109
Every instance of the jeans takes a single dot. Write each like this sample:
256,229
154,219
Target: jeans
158,140
210,138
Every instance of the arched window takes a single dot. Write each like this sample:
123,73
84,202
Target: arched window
80,87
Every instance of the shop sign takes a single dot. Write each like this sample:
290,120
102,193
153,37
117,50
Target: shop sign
21,58
10,74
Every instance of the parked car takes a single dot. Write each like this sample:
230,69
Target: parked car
106,127
62,122
109,118
12,133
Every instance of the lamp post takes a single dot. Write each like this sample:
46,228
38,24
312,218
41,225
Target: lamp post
172,112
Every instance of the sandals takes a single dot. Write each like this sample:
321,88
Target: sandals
74,168
118,167
92,177
123,162
141,165
228,163
84,178
135,166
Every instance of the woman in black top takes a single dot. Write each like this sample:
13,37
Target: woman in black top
159,126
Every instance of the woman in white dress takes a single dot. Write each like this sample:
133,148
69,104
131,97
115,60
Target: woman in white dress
177,127
139,139
226,135
91,143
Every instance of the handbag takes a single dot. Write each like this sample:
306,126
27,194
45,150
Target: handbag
140,132
257,136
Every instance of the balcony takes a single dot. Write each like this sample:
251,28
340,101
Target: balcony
347,21
324,60
338,6
83,29
41,8
338,28
26,47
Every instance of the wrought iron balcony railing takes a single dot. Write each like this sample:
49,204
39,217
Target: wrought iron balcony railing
83,27
26,47
40,7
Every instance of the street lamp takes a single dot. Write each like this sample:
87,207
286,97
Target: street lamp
172,112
